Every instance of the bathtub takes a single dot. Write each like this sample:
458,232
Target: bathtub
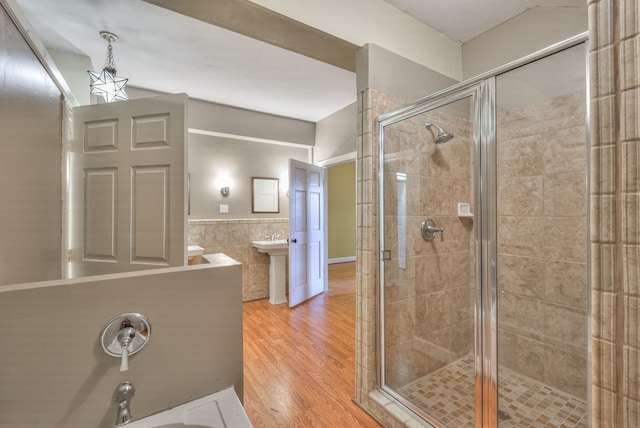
222,409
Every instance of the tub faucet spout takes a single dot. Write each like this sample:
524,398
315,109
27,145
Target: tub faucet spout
122,396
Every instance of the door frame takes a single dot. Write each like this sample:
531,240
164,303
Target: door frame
328,163
485,378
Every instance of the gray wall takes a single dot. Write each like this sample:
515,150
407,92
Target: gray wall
212,158
54,373
522,35
395,75
74,69
30,165
228,142
336,134
236,121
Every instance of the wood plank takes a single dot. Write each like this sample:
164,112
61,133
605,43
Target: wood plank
342,278
300,364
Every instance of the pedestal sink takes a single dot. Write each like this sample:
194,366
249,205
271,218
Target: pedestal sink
277,251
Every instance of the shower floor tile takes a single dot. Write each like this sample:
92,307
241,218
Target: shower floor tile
447,395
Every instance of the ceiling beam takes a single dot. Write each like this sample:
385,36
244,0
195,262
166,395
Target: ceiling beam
260,23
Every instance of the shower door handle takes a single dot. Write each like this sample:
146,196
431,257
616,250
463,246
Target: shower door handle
385,255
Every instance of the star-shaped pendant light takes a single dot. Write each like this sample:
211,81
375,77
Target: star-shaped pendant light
105,83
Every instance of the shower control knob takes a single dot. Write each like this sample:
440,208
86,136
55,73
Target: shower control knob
429,230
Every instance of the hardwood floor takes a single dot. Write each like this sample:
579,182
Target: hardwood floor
300,364
342,278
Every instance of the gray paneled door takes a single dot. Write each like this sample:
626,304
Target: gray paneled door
127,165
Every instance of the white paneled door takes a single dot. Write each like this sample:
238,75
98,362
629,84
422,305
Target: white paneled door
127,166
307,242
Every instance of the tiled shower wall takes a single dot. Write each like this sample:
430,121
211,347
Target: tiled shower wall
614,33
371,104
542,300
233,238
428,302
614,215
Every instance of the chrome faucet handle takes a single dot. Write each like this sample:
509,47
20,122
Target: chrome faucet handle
429,230
122,397
125,335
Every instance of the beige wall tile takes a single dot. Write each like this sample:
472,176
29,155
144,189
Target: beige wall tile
566,327
631,382
566,283
631,166
629,19
521,196
602,62
629,53
521,315
566,371
631,416
400,321
565,150
233,238
520,157
632,321
631,269
521,275
631,218
565,194
603,121
630,115
565,238
602,173
522,236
604,20
603,267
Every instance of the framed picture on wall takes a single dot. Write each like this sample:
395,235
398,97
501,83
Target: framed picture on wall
264,195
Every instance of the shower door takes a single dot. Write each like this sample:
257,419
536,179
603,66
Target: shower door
542,295
429,246
484,299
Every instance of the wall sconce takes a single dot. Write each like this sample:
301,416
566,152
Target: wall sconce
223,182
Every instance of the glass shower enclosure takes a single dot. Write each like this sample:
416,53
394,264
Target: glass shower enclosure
484,309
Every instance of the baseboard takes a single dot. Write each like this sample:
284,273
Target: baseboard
342,260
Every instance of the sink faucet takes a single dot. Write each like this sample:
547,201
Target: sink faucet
272,237
122,396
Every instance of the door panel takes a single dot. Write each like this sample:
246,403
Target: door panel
429,288
307,248
542,292
100,240
150,223
128,186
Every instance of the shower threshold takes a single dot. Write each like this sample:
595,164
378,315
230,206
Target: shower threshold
447,395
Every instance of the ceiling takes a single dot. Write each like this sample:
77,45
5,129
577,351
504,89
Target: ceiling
169,52
462,20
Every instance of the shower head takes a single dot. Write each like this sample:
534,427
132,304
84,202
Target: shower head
443,136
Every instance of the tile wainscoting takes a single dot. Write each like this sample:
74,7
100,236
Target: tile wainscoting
233,238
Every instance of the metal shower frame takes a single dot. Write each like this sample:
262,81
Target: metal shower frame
481,90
